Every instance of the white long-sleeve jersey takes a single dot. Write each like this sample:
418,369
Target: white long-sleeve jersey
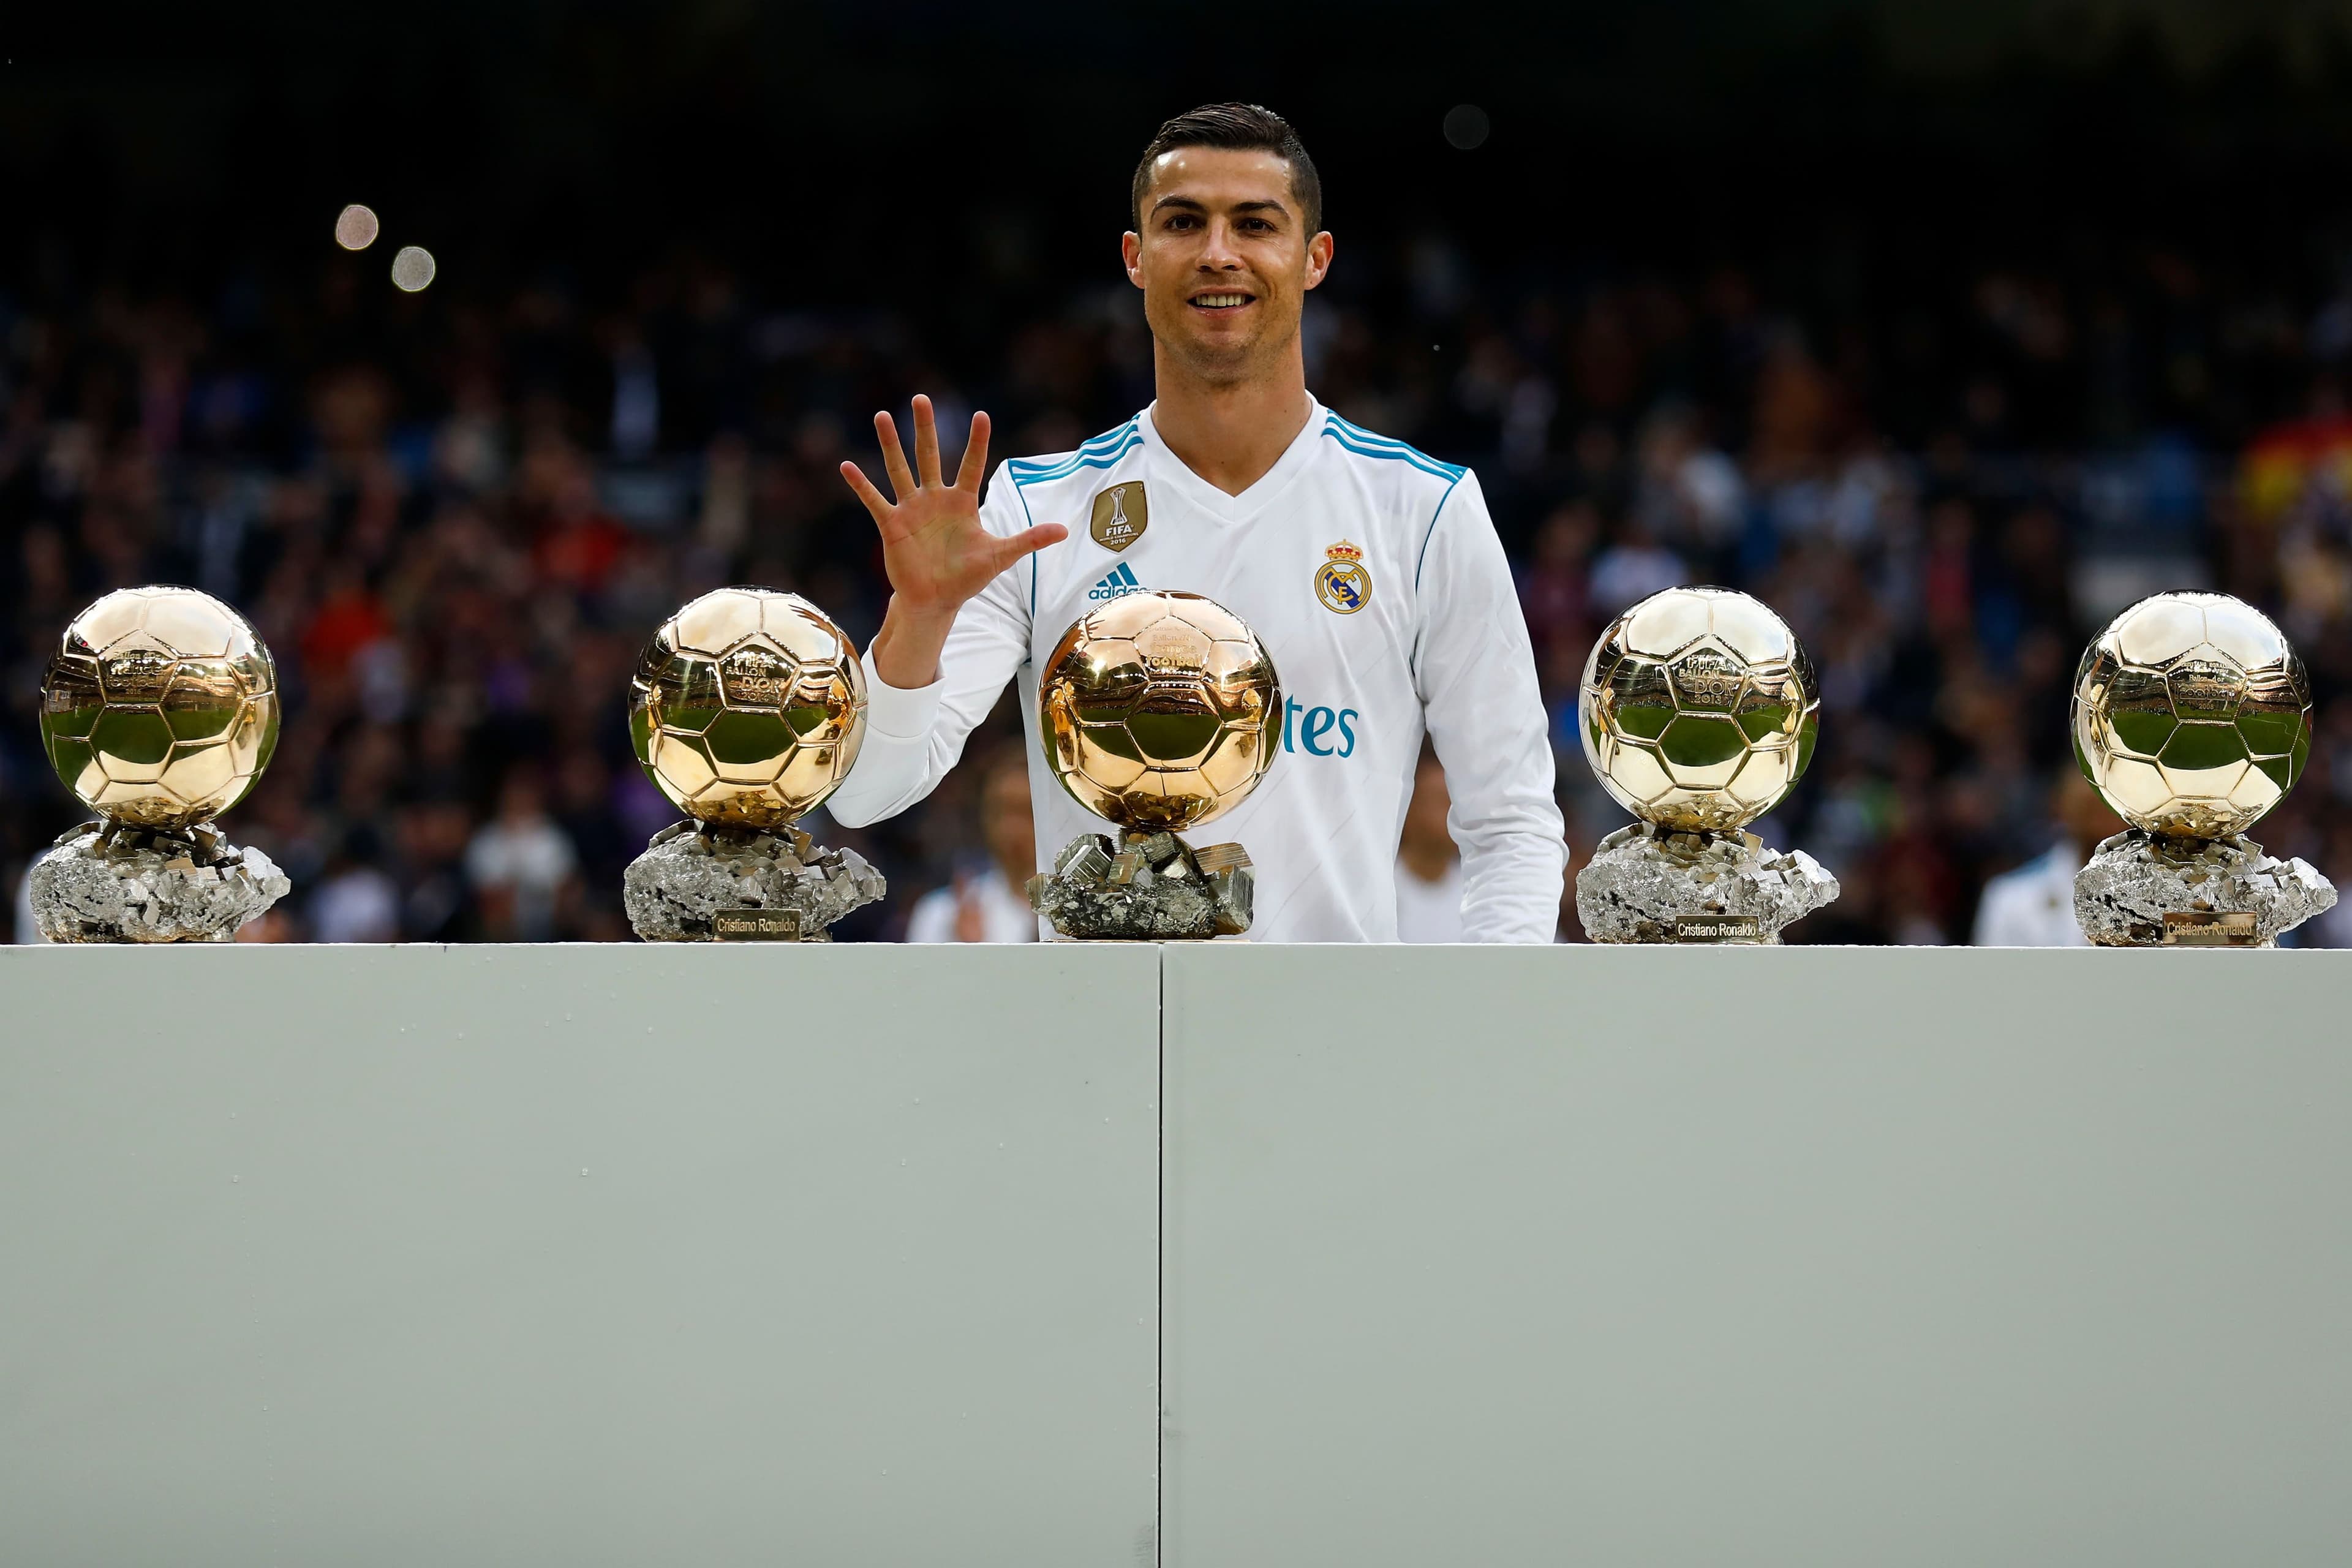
1421,632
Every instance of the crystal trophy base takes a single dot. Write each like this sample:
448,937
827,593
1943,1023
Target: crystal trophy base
1153,887
1650,884
702,882
116,882
2142,890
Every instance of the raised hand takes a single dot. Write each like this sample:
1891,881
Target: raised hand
934,550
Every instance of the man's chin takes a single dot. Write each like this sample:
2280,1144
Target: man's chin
1219,357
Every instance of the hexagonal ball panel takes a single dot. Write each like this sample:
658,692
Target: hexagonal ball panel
1750,630
2243,633
137,671
680,767
191,623
131,744
2138,712
1235,760
2155,631
757,675
716,621
1707,678
1663,625
195,772
1104,683
1639,701
2202,748
749,748
2205,683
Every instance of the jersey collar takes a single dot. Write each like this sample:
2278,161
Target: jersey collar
1167,468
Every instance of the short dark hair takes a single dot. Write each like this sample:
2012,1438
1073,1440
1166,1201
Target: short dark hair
1241,128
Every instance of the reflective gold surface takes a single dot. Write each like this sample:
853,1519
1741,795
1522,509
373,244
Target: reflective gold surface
160,707
1698,709
1160,711
747,708
2193,715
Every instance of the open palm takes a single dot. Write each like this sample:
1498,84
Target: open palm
934,549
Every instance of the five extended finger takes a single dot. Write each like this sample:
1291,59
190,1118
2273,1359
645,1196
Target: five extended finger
894,458
1028,540
864,488
975,457
926,441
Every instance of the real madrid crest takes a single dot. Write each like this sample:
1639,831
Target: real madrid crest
1121,514
1341,582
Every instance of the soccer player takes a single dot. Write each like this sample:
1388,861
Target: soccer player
1370,571
2033,905
987,905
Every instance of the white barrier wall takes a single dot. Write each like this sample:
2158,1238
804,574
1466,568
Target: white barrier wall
872,1256
1808,1257
582,1256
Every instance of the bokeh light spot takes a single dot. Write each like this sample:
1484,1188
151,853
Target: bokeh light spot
1466,126
412,269
356,228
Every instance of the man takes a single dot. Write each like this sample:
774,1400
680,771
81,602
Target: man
1370,571
356,902
1429,872
992,906
520,864
2033,906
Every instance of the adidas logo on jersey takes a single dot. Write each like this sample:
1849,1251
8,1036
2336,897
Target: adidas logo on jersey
1120,581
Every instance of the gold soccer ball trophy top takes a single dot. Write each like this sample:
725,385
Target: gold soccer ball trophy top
1698,710
747,708
2192,718
2193,715
159,710
746,712
160,707
1160,711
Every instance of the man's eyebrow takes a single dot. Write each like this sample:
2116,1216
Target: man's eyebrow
1197,204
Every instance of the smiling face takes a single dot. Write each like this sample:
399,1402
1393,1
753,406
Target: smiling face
1225,260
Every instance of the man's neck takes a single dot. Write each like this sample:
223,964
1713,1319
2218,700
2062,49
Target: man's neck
1229,433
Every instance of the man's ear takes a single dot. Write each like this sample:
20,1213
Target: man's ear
1318,257
1130,250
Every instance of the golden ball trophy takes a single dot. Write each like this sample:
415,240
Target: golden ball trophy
1698,709
746,712
1160,711
2192,717
158,710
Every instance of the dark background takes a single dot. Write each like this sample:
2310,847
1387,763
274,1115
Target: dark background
1946,328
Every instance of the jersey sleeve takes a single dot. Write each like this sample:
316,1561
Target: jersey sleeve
1476,671
913,737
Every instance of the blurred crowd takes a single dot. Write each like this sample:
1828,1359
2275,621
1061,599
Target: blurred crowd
456,515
